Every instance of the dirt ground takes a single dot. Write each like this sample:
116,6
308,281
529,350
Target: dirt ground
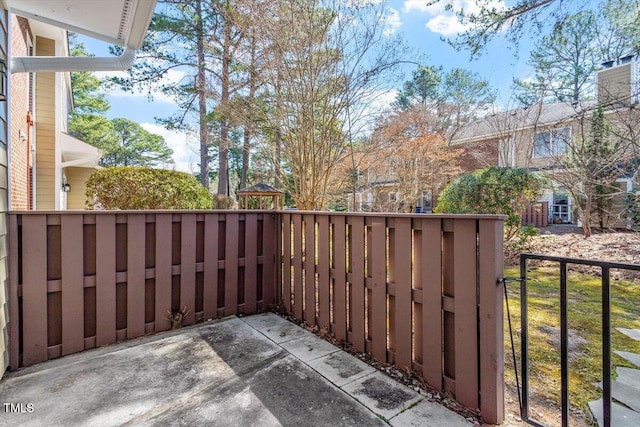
569,242
566,241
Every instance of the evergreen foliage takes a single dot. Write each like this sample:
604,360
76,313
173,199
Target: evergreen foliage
133,188
495,190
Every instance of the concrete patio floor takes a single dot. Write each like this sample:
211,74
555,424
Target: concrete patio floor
258,370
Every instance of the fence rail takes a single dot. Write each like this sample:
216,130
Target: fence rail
417,291
87,279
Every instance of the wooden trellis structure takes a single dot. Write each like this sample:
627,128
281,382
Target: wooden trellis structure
261,192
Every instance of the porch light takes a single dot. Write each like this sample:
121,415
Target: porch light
66,188
3,80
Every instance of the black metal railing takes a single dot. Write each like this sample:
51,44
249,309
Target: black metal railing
606,268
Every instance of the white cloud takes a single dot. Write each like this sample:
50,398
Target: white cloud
383,99
392,22
421,6
445,22
446,25
184,155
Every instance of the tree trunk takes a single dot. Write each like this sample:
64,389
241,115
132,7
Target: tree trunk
246,146
586,217
223,159
202,101
223,153
278,179
247,128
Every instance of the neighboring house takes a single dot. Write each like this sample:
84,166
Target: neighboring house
380,190
33,52
538,137
407,174
383,196
48,168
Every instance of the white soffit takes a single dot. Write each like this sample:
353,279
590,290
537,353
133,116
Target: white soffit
121,22
78,153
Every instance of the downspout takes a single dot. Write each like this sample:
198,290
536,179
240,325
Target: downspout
35,64
29,156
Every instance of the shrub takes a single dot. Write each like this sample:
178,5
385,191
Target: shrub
495,190
130,188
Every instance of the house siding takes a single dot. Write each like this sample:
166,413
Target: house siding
77,179
615,85
4,205
45,131
20,131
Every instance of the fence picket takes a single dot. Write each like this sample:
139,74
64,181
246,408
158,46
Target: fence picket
162,269
232,221
298,278
339,279
135,275
250,264
72,284
324,276
466,312
356,266
188,267
309,269
378,304
34,289
286,262
403,297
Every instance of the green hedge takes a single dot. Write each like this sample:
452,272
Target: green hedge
495,190
130,188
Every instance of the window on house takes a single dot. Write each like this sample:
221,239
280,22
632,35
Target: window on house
393,197
551,143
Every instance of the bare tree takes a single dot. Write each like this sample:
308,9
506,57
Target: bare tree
409,158
327,60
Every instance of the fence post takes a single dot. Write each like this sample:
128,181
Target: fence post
491,346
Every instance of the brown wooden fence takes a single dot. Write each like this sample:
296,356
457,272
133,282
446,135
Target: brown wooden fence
537,215
419,291
87,279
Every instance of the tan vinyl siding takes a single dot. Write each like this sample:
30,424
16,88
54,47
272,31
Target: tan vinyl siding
45,131
614,85
77,179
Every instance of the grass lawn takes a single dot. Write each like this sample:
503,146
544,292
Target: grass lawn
585,365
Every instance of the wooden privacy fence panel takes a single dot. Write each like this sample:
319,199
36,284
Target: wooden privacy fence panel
536,214
419,291
84,279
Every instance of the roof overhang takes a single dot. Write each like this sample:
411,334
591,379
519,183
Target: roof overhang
78,153
121,22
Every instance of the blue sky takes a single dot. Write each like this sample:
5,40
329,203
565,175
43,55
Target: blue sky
421,26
